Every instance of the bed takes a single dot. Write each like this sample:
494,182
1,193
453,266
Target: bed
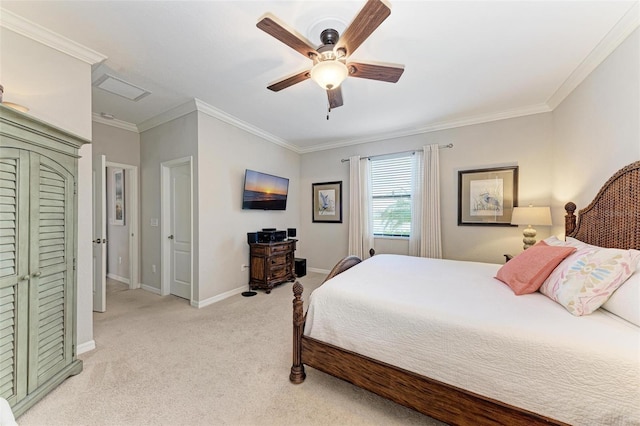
473,352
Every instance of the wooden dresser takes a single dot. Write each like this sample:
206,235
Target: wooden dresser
271,264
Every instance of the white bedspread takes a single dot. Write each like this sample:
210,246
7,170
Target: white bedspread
452,321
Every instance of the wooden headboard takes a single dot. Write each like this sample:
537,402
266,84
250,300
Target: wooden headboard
613,217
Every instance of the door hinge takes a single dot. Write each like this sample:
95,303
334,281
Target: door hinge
75,188
74,263
73,350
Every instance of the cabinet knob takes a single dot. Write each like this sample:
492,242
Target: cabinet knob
97,241
36,274
170,237
23,278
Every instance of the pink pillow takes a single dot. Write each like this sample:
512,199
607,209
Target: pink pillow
526,272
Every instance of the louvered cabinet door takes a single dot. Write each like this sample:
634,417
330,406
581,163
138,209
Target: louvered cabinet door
14,272
51,267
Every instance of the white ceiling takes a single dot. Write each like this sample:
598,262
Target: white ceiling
464,62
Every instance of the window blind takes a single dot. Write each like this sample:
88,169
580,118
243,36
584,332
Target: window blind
391,196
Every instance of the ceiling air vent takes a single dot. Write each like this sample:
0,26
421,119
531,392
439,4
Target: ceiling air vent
120,87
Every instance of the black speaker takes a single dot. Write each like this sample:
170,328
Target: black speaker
266,236
252,237
291,232
300,266
268,229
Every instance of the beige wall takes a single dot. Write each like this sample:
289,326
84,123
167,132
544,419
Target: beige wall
227,151
169,141
54,86
597,127
57,89
118,145
221,154
524,141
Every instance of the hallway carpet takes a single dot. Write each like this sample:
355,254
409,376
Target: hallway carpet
159,361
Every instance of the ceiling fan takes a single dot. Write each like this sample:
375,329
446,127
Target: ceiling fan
330,65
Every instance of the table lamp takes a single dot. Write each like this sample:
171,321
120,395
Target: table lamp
530,216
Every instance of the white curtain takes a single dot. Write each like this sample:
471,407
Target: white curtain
417,178
360,226
430,237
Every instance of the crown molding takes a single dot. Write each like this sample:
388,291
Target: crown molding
124,125
623,29
205,108
29,29
443,125
234,121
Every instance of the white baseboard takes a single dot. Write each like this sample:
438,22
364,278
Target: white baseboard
218,298
118,278
202,303
320,271
86,347
153,290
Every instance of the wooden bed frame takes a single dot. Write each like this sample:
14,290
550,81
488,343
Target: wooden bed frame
611,220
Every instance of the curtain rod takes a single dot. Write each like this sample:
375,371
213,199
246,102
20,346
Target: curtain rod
449,145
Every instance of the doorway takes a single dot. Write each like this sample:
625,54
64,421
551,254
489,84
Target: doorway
115,216
177,228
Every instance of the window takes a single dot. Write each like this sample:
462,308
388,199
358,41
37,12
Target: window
391,196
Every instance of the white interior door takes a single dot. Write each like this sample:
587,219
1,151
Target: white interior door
180,231
99,233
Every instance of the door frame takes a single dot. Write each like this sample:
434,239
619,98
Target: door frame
133,209
165,214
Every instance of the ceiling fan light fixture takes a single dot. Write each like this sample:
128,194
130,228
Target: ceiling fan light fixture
329,74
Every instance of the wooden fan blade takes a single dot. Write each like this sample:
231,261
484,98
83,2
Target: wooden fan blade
368,19
386,73
294,41
289,81
335,97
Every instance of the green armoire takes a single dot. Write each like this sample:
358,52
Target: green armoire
38,225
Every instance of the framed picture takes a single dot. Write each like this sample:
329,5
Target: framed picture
117,197
327,202
487,196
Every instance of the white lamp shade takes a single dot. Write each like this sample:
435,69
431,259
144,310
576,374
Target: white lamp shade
329,74
531,216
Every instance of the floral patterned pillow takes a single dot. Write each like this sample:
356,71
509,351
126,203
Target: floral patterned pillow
588,277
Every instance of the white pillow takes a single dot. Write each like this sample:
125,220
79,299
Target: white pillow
625,301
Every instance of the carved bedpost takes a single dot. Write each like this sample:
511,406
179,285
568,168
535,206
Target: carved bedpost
569,218
297,375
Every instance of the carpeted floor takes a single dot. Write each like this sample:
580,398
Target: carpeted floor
161,362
